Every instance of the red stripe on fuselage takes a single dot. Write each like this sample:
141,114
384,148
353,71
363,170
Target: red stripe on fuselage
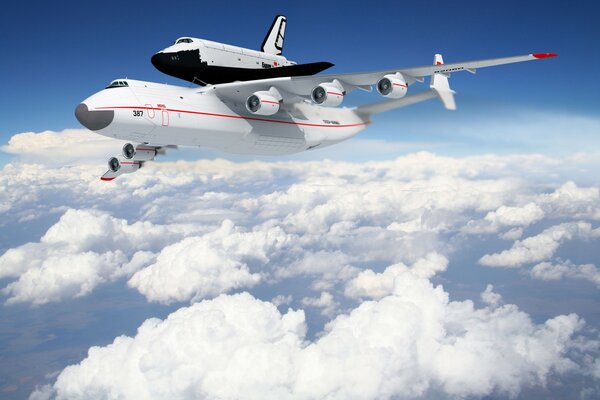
233,116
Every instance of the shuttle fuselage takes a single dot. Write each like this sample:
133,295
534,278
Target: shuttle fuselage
206,62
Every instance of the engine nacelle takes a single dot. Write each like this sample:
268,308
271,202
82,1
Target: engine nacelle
262,103
327,95
140,153
123,166
393,86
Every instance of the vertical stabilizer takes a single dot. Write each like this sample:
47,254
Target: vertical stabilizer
439,84
273,43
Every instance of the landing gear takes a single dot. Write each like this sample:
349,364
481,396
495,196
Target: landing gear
131,160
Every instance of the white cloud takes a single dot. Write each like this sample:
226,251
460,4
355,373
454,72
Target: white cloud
281,300
516,216
596,369
83,249
551,272
573,201
521,216
325,302
314,229
328,267
70,146
330,212
512,234
539,247
372,285
405,345
489,297
206,266
61,276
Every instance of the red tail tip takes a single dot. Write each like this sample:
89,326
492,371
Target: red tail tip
544,55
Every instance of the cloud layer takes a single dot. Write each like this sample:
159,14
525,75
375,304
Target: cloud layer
405,345
361,248
83,249
317,219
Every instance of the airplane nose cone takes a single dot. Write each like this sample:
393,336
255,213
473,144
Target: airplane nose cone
93,120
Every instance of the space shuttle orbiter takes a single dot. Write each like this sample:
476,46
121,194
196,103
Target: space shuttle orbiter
205,62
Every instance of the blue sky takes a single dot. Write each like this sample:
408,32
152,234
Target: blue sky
56,54
502,192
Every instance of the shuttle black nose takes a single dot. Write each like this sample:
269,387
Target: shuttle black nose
160,60
93,120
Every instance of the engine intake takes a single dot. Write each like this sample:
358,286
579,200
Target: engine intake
327,95
392,86
262,103
139,153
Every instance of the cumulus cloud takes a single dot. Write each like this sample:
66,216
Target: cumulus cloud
512,234
551,272
573,201
82,250
540,247
330,214
506,216
372,285
208,265
280,300
70,146
325,302
489,297
240,347
333,234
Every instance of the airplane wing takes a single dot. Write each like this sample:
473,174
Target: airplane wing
292,87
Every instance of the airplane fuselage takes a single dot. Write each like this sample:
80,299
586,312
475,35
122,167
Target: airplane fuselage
159,114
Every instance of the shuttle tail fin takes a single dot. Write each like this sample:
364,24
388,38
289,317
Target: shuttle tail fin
273,43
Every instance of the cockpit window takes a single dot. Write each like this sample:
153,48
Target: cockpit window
115,84
184,40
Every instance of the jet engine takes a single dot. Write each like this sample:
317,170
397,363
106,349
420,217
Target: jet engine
327,95
140,153
262,103
393,86
123,166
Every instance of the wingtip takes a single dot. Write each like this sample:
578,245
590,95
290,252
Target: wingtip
544,55
106,179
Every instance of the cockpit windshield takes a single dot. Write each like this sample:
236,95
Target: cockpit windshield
183,40
115,84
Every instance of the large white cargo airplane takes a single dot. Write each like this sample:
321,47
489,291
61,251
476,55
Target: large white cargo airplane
205,62
263,117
